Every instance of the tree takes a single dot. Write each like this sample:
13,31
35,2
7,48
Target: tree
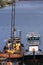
2,3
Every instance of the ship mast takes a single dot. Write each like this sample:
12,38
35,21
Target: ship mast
13,23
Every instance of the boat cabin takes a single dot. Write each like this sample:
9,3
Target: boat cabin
33,40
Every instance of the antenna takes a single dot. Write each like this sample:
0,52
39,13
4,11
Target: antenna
20,35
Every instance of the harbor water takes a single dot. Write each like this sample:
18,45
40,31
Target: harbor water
28,18
21,63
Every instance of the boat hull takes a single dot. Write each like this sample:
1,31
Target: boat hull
8,55
33,58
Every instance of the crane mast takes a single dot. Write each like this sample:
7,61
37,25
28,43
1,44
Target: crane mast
13,22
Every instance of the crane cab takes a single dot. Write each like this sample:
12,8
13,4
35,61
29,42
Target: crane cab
13,47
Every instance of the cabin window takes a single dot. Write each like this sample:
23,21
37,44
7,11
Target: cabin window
37,38
9,41
33,38
16,46
17,41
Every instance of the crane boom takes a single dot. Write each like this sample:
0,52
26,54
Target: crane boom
13,23
13,20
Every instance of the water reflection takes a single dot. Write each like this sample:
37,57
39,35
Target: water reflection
18,63
33,63
11,63
21,63
27,63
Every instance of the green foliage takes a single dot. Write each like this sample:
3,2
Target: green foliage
3,3
1,0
